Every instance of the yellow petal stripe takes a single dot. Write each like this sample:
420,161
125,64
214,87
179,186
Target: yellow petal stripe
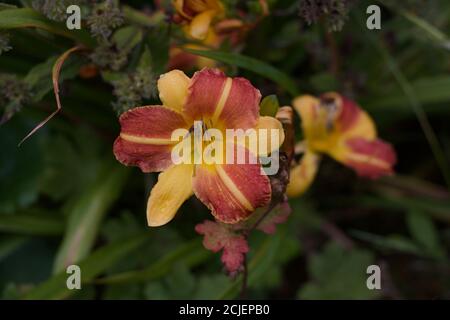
233,188
146,140
222,100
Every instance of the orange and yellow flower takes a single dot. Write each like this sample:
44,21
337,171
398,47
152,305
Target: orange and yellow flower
197,16
204,21
336,126
231,191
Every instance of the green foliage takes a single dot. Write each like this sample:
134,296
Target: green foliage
338,274
269,106
26,17
65,199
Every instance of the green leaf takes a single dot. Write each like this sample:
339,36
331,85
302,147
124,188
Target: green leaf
9,244
269,106
259,67
338,274
76,153
145,61
190,254
20,168
430,90
325,81
158,43
27,17
92,266
87,214
40,76
414,102
424,232
127,38
389,243
32,224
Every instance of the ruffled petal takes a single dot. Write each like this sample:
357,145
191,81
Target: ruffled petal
306,107
232,191
145,137
370,159
174,186
173,87
337,126
225,102
303,174
352,120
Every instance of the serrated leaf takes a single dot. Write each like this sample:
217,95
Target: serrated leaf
217,236
338,274
278,215
424,232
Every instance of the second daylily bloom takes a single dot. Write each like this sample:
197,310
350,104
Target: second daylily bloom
198,16
335,125
231,191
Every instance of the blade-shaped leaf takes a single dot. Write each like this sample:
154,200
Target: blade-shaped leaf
87,214
92,266
251,64
27,17
191,254
32,224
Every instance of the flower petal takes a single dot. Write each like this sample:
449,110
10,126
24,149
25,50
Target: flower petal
303,174
370,159
232,191
174,186
173,87
145,137
226,102
266,127
306,106
200,24
353,121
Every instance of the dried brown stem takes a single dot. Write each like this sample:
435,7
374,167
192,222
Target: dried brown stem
55,77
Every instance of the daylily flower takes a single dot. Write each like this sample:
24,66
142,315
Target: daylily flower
197,15
231,191
232,30
335,125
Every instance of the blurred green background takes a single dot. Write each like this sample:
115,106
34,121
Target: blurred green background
64,198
